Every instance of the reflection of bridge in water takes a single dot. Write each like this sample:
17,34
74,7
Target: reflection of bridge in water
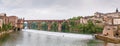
48,22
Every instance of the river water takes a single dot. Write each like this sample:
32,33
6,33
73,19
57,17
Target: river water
29,37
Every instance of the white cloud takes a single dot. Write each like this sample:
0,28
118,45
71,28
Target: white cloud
56,9
42,13
16,3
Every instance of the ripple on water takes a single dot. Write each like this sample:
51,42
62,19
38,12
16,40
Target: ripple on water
44,38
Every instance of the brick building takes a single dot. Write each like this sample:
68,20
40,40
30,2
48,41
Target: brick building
14,20
110,22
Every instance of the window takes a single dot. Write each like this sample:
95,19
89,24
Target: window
108,29
114,28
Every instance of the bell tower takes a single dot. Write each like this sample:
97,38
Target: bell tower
117,10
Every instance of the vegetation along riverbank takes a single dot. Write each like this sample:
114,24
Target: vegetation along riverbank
71,25
5,29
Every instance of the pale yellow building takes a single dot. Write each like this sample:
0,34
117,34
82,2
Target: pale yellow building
1,22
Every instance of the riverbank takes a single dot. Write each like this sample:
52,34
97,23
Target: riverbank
5,32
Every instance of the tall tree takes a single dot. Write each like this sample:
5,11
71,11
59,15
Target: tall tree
44,26
34,25
54,26
65,27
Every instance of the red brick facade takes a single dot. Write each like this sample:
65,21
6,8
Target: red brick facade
14,20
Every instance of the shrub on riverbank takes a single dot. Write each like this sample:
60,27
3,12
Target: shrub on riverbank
73,25
88,28
5,27
54,27
65,27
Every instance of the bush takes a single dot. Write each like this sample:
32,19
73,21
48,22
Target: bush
6,27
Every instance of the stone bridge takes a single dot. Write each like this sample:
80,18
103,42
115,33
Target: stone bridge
49,23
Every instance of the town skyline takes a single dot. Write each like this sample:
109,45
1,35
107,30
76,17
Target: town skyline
60,9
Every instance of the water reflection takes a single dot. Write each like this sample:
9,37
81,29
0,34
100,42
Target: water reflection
24,38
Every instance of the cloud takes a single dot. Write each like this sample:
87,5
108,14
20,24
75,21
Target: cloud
16,3
42,13
56,9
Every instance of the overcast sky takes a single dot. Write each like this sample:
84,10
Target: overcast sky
56,9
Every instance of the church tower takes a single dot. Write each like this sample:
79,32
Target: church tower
117,10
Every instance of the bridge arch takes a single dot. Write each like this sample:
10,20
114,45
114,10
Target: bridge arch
47,24
65,27
54,26
44,26
25,25
34,25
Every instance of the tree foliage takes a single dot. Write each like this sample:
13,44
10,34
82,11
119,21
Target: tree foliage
54,26
44,26
65,27
6,27
34,25
88,28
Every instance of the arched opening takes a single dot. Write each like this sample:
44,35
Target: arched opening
65,27
54,26
44,26
18,29
34,25
25,25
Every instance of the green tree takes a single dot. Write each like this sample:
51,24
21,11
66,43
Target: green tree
92,28
54,27
44,26
73,24
9,26
6,27
89,28
65,27
34,25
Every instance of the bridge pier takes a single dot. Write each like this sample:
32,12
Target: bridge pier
49,26
59,27
29,25
39,25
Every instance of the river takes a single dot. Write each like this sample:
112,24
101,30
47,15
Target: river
28,37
